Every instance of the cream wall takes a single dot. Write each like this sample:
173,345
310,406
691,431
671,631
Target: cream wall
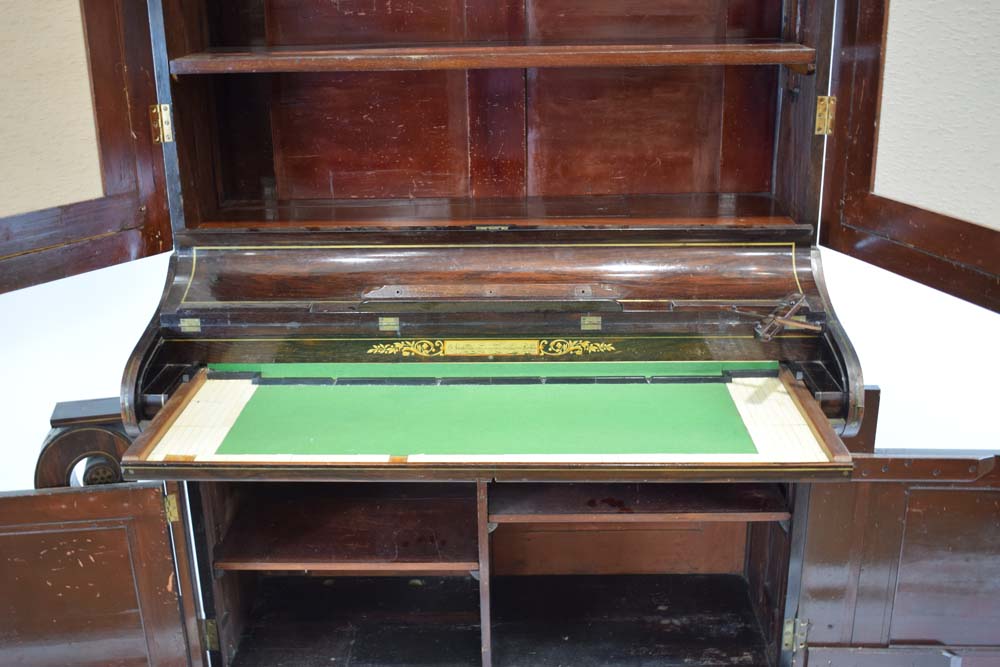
939,139
47,132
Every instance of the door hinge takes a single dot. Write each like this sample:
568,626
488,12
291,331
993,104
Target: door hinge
162,124
826,114
210,634
170,508
793,638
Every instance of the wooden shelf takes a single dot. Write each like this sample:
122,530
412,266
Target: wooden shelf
657,212
635,503
372,529
489,56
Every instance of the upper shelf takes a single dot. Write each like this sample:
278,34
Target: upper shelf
492,55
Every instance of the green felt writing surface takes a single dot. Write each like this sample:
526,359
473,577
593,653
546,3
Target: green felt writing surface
489,420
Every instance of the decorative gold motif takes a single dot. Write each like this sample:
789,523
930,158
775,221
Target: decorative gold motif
562,347
410,348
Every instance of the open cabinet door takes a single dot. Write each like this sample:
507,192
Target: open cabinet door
130,220
88,577
946,253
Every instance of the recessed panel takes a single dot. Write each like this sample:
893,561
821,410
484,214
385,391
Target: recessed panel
626,19
624,131
385,134
74,585
364,21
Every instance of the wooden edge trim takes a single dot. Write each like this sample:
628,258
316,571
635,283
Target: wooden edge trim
483,541
638,518
828,439
949,238
165,418
186,584
349,568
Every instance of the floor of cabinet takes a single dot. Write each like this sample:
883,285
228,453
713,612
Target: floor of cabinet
542,621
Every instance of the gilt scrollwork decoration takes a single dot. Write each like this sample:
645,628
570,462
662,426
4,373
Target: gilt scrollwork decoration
562,347
410,348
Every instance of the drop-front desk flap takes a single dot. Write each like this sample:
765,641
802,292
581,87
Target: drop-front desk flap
505,420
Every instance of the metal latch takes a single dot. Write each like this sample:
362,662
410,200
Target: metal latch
162,124
793,638
781,318
170,508
210,634
826,114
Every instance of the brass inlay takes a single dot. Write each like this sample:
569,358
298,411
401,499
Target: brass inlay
410,348
559,347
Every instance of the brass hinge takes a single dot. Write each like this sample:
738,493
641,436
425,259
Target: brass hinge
190,325
210,634
794,636
170,508
162,124
826,114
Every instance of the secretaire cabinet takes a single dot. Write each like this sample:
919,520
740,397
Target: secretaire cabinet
496,332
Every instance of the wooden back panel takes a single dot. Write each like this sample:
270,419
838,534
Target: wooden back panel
495,133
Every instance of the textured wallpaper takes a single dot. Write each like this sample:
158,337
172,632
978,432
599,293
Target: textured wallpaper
49,144
939,141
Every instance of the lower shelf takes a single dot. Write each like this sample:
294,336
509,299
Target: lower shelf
584,621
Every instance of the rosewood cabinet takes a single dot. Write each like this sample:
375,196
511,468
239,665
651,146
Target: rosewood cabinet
409,203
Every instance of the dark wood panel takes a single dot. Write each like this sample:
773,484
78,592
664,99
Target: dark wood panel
93,579
61,261
630,503
754,19
628,19
377,142
316,622
623,131
497,134
864,441
602,548
948,585
364,21
670,273
47,229
669,621
351,529
721,211
978,287
748,117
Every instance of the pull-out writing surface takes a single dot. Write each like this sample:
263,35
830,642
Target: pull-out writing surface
484,418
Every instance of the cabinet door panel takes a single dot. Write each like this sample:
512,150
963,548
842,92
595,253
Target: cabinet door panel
87,578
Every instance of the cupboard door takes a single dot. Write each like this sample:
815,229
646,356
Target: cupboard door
87,577
130,219
944,252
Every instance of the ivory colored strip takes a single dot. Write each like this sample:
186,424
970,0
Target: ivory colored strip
200,428
294,458
779,431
